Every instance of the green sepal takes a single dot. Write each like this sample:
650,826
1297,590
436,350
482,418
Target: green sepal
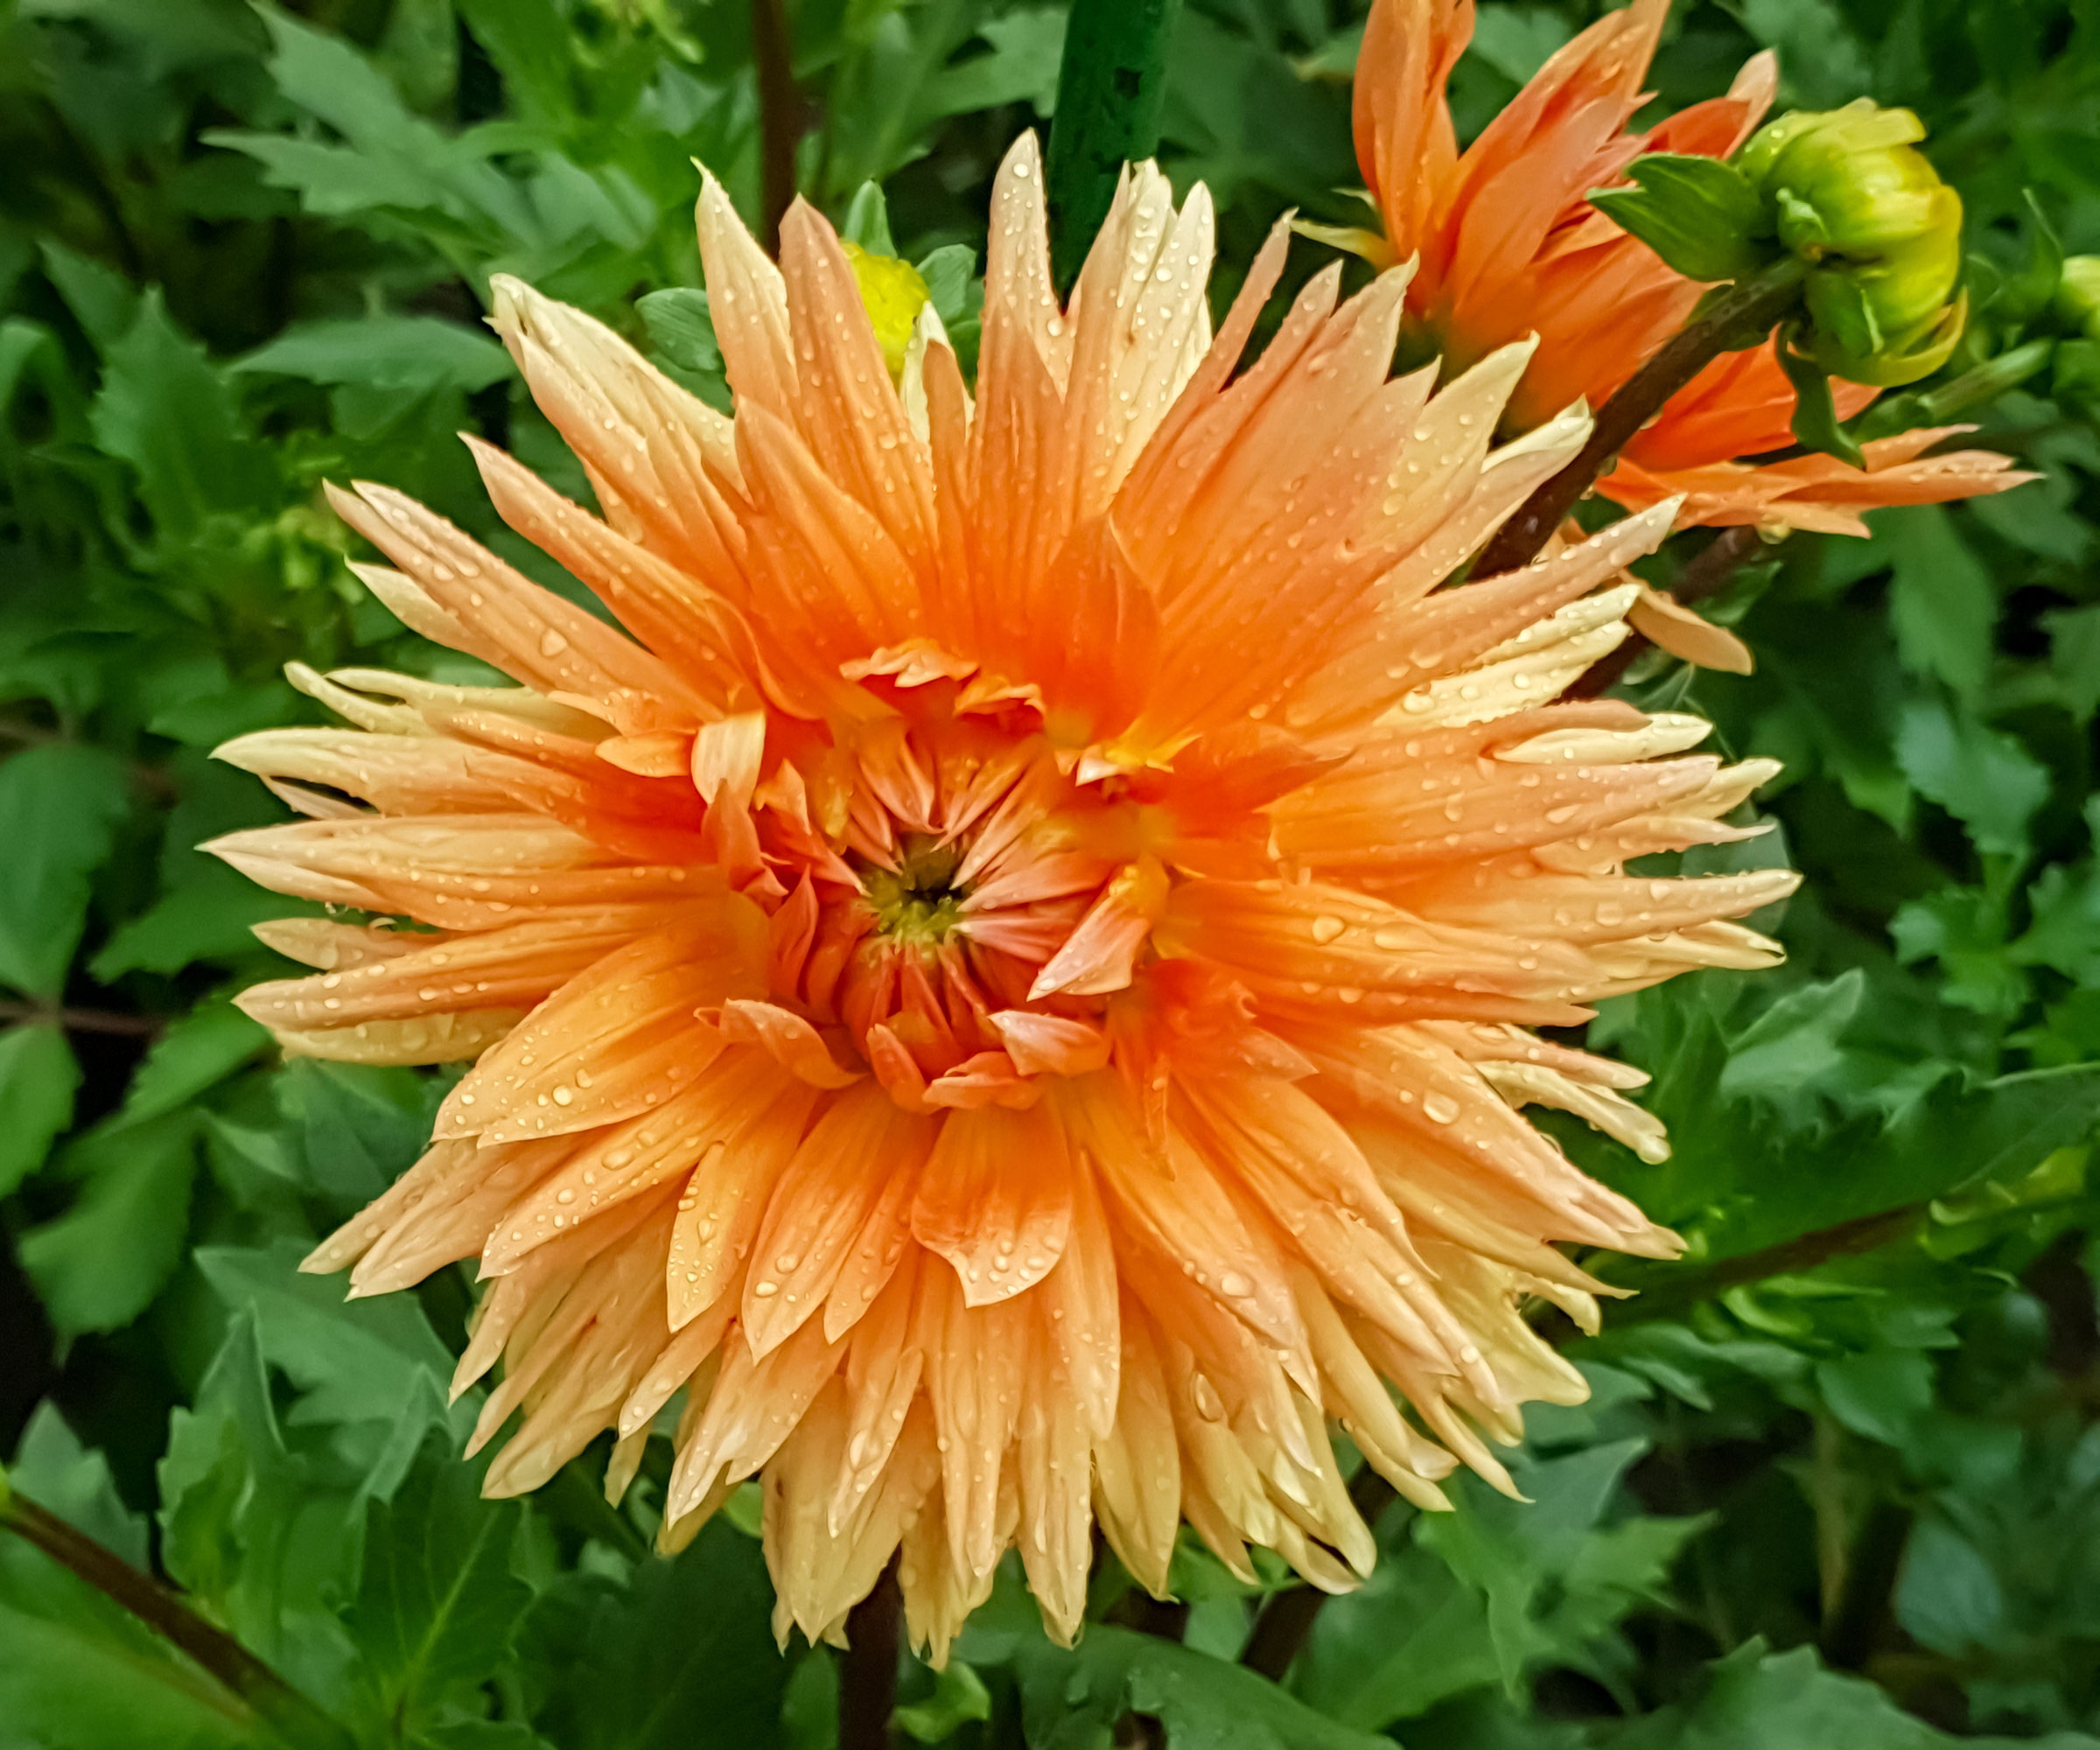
1814,410
1699,214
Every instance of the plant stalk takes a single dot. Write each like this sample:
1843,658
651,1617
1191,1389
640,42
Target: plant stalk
867,1674
781,116
1109,88
273,1700
1730,320
1707,575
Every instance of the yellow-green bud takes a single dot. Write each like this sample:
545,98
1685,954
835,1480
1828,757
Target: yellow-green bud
1850,195
2077,301
893,295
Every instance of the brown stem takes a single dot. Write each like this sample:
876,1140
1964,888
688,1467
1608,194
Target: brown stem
1286,1621
232,1665
81,1021
781,114
1716,561
1732,319
867,1674
1682,1289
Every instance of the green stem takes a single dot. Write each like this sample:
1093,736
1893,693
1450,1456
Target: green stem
1730,320
273,1700
1108,93
1953,398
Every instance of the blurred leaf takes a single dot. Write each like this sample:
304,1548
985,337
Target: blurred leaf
373,1360
1517,40
101,300
1984,779
210,919
197,1052
38,1079
164,409
266,1538
419,352
1943,604
687,1642
959,1697
362,1127
54,1469
1073,1700
97,1267
1494,1590
60,808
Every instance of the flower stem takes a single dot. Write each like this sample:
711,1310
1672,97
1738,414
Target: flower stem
295,1720
781,114
1110,87
867,1674
1707,574
1730,320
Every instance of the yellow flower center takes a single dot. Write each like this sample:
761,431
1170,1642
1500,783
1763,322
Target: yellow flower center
893,295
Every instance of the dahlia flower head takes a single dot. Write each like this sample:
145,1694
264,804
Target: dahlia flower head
1007,990
1507,245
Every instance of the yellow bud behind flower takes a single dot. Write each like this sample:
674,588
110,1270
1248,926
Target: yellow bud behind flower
1851,195
2077,301
893,294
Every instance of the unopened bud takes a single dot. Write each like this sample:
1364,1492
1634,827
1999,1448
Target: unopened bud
2077,301
893,294
1850,193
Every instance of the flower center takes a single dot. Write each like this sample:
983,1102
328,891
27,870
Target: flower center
917,903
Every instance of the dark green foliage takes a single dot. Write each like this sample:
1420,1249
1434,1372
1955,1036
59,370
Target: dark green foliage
1839,1482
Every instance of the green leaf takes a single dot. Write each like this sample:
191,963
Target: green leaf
372,1361
1028,45
1698,213
439,1603
60,808
682,330
1516,41
1984,779
1879,1394
413,353
363,1127
165,409
102,301
211,918
37,1078
1757,1700
195,1054
1073,1700
54,1469
80,1672
959,1697
98,1266
1943,604
687,1642
868,220
267,1538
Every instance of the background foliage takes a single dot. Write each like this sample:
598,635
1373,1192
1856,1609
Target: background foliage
1832,1487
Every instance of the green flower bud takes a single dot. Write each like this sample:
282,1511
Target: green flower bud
2077,301
1850,193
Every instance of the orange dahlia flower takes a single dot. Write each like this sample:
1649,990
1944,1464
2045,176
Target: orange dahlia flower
1008,984
1508,245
